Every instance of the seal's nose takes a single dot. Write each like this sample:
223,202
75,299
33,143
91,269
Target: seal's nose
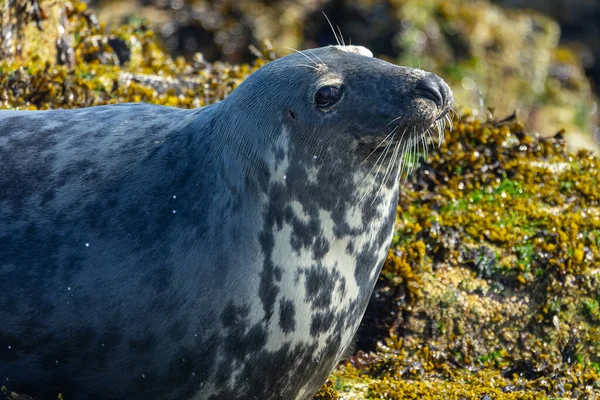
432,87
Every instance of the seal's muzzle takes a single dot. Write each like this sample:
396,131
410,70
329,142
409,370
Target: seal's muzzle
433,88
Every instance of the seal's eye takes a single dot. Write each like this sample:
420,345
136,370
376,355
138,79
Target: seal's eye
327,96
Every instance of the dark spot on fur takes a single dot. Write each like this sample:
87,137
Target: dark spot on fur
278,273
321,322
350,248
287,316
319,286
233,315
320,247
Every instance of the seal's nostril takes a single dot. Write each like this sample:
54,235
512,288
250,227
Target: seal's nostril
433,88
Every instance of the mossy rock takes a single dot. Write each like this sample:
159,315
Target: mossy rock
491,288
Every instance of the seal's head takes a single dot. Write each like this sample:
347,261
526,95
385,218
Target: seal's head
340,103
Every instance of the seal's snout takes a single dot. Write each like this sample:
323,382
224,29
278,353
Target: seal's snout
433,88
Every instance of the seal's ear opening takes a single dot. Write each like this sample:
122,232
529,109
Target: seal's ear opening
291,114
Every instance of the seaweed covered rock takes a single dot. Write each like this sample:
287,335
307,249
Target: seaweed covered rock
491,287
78,64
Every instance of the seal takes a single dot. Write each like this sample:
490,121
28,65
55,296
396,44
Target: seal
226,252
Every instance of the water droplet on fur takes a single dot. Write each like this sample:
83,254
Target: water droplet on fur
68,287
314,157
56,361
174,211
9,347
144,376
87,244
174,196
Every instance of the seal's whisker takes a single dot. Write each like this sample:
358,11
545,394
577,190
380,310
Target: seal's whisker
392,163
385,175
450,124
454,113
390,166
430,137
379,145
403,144
402,170
341,36
301,52
387,148
337,39
383,154
309,66
439,129
441,126
316,56
392,121
413,152
372,168
416,153
425,149
402,165
410,155
419,152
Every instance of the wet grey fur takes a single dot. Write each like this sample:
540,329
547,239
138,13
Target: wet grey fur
156,253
